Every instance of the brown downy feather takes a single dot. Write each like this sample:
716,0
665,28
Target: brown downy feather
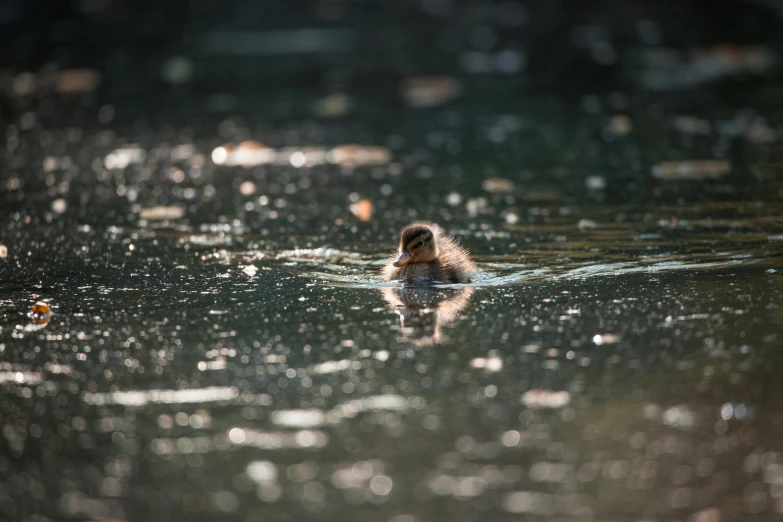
452,265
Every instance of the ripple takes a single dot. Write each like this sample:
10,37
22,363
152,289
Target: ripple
514,274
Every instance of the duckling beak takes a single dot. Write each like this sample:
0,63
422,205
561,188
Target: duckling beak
404,259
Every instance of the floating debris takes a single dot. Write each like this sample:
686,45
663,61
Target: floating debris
73,81
621,124
277,440
221,155
539,398
733,59
247,154
21,377
356,155
65,81
475,206
587,224
59,206
490,364
41,313
177,70
669,69
691,170
303,157
362,209
601,339
252,153
498,185
217,364
333,106
454,199
3,251
429,91
160,213
247,188
595,182
124,156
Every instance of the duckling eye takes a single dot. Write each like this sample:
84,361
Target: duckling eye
420,243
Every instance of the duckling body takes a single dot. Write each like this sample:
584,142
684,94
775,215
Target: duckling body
427,255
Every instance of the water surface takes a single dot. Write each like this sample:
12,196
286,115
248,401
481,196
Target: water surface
221,346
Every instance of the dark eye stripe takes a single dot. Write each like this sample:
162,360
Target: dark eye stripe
413,243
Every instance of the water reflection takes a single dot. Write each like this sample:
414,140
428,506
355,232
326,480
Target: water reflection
423,311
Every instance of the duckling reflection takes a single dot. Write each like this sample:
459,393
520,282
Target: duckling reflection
423,311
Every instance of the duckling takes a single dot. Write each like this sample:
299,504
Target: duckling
428,255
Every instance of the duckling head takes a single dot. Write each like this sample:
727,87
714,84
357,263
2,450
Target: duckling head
418,244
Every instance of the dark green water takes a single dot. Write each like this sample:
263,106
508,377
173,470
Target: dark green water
617,358
602,374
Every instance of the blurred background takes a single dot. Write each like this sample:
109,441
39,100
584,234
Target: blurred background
455,92
196,198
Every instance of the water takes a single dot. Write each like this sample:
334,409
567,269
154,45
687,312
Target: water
626,369
221,345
